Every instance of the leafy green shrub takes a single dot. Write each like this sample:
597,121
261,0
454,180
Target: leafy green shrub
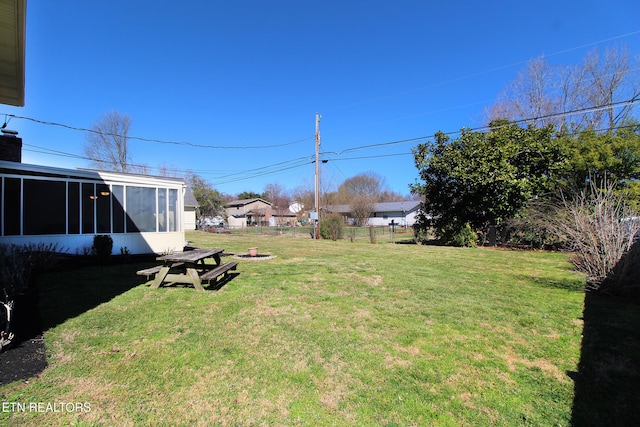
331,228
459,236
422,234
102,246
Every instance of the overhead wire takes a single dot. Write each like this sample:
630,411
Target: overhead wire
265,170
481,73
8,117
305,160
488,127
160,141
264,173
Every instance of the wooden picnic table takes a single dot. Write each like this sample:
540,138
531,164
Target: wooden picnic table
190,267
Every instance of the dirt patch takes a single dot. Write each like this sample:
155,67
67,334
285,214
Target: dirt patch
26,357
23,361
259,257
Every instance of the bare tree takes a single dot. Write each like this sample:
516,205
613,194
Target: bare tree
530,97
606,81
361,192
599,93
367,183
169,170
304,195
106,143
280,200
361,208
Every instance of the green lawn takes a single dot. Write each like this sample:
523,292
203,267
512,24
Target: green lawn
324,334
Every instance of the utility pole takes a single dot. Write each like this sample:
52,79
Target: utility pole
317,193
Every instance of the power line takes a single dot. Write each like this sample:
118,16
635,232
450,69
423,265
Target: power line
487,127
481,73
159,141
264,173
303,161
236,176
372,157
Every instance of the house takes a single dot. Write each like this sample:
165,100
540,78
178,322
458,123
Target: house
68,207
283,217
402,213
190,207
248,212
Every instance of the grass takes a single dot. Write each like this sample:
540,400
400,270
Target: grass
381,234
327,333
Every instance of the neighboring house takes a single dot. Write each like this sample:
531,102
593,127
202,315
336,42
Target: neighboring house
248,212
42,204
283,218
402,213
190,207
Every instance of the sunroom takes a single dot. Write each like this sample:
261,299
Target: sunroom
41,204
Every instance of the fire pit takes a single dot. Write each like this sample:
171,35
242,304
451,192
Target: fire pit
253,255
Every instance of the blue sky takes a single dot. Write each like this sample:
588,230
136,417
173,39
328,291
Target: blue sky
223,80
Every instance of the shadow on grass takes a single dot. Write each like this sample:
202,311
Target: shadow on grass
69,292
607,384
574,285
207,287
60,295
221,282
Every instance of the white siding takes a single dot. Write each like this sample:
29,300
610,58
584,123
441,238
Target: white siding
189,218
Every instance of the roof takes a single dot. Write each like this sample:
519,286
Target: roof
404,206
288,213
189,198
14,168
244,202
12,51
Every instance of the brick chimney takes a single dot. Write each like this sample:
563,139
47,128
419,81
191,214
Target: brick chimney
10,146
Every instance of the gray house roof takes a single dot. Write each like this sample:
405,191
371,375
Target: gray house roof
244,202
404,206
189,198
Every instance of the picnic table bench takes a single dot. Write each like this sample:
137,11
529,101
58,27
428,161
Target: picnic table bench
220,270
151,271
188,267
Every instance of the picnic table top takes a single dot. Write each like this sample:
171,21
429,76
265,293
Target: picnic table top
190,256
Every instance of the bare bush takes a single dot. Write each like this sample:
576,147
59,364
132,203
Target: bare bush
20,263
18,267
599,228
